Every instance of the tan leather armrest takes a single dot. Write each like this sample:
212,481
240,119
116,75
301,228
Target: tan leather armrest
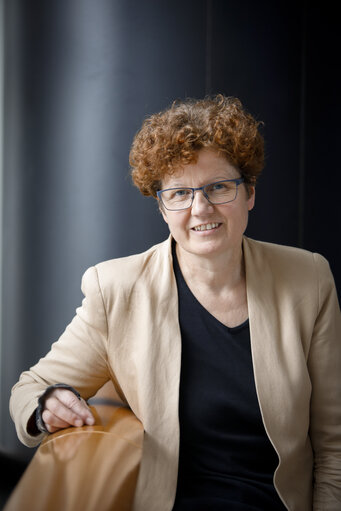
92,468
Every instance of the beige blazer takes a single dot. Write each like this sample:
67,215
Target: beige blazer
127,330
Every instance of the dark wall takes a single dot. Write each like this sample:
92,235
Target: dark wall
321,200
282,60
257,56
80,77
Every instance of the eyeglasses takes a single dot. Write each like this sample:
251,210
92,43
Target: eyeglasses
220,192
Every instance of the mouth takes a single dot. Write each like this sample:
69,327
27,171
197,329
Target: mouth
206,227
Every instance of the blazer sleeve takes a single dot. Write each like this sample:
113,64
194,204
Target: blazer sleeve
324,364
78,359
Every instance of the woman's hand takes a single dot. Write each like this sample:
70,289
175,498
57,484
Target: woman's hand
63,409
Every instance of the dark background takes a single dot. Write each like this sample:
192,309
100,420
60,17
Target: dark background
81,75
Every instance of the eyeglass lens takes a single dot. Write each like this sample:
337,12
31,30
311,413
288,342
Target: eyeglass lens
216,193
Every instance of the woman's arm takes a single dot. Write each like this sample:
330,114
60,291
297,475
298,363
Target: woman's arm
324,364
78,358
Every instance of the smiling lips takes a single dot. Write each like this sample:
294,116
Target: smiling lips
206,227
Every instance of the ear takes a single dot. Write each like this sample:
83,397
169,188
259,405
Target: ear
252,198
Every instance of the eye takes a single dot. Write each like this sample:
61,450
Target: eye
219,186
181,193
177,194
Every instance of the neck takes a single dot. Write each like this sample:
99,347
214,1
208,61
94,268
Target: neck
222,271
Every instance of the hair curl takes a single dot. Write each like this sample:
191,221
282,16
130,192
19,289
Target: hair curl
172,138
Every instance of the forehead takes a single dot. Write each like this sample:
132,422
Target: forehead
210,166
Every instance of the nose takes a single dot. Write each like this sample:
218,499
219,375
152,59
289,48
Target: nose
200,203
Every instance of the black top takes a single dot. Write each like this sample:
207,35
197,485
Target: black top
226,459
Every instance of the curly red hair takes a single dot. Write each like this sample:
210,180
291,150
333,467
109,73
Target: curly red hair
172,138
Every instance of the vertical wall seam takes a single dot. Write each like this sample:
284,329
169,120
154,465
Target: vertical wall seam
208,56
2,81
302,126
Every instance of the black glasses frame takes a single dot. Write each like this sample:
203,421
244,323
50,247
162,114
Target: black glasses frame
238,181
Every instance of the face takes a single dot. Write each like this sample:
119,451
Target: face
224,224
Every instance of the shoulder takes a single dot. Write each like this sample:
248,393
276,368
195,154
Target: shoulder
286,263
290,276
283,254
127,271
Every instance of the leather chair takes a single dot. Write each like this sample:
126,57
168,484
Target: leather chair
92,468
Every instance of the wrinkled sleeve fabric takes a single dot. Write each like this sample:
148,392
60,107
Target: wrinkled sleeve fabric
324,364
78,358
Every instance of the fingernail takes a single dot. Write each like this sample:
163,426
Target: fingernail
90,421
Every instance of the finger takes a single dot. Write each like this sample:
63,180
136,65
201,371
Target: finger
89,418
52,422
71,401
66,405
62,412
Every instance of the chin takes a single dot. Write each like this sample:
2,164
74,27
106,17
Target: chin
206,249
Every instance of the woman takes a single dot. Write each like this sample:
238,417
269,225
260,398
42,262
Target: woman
227,349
